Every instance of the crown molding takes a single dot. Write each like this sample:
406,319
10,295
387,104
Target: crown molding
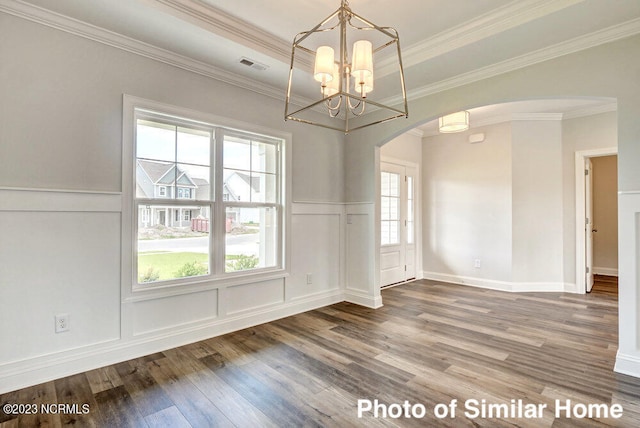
536,117
607,35
487,25
73,26
228,26
591,111
79,28
505,118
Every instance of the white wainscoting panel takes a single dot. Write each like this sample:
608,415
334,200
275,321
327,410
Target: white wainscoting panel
252,297
362,285
628,358
152,316
54,262
317,250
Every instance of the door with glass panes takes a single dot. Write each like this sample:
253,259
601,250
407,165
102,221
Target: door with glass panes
397,223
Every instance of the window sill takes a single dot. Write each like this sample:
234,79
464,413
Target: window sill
199,284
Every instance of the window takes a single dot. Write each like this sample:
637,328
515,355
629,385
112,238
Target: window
410,211
208,200
390,208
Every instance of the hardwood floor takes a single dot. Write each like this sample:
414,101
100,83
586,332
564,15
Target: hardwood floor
430,344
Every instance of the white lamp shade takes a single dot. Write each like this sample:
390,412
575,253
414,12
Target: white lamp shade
333,87
323,68
368,84
362,64
455,122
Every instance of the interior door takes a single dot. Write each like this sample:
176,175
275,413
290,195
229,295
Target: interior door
397,223
588,228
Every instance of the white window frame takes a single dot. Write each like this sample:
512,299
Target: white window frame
162,191
217,277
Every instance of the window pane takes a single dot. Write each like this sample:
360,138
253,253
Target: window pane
193,146
195,182
384,233
173,242
384,183
155,141
394,232
410,232
263,188
385,203
251,239
237,153
237,186
264,157
394,185
394,209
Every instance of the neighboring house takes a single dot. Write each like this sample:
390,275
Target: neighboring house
163,180
240,187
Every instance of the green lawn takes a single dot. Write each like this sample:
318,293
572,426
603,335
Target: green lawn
167,264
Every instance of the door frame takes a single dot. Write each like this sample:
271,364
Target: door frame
417,213
581,245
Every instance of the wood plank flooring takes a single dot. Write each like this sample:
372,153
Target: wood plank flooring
430,344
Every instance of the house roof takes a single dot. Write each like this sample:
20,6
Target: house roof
163,173
254,182
155,169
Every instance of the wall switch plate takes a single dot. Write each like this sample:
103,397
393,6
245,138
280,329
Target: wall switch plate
477,263
62,323
309,278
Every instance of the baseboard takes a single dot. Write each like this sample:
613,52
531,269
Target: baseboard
467,280
21,374
360,298
518,287
627,364
605,271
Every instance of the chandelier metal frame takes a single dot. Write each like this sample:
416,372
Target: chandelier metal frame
341,105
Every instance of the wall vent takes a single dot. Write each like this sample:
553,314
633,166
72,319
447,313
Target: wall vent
253,64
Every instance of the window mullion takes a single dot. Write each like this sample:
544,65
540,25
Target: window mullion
218,211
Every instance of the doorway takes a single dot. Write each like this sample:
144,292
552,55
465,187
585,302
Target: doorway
596,216
397,223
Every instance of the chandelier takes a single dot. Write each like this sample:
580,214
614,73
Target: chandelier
345,81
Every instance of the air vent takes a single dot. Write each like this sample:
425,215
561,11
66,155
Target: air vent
253,64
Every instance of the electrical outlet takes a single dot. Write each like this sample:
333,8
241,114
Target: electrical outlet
309,279
62,323
477,264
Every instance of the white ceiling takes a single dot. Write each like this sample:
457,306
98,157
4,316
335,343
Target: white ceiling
445,43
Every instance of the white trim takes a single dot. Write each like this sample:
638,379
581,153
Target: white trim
45,200
465,34
577,44
479,28
580,212
536,116
628,285
32,371
591,111
505,118
360,298
88,31
516,287
230,27
627,364
605,271
417,204
217,278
